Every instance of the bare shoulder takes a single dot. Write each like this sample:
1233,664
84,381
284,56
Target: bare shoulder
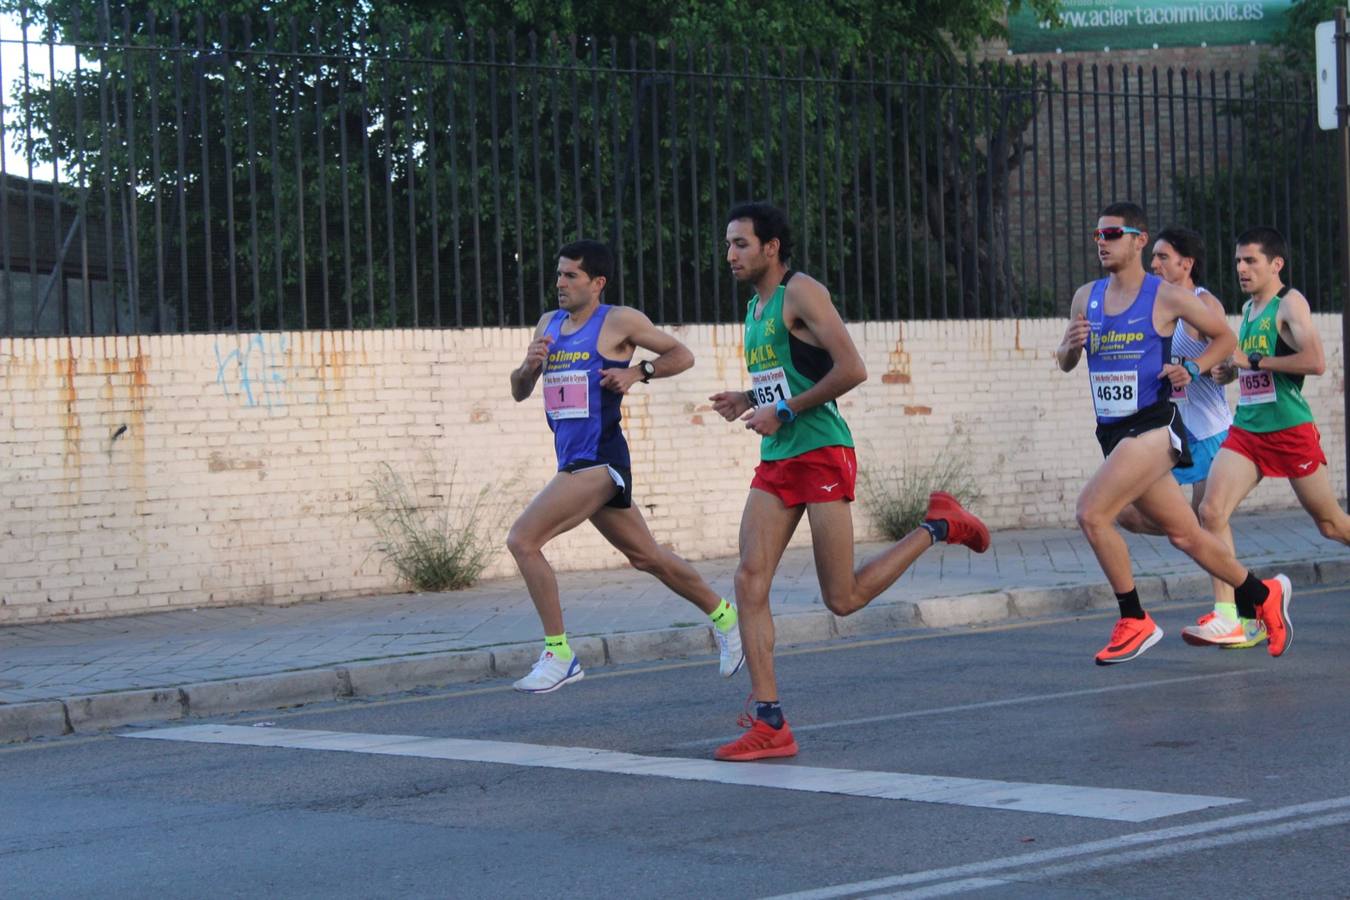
1212,302
806,295
544,320
627,319
1294,303
1080,299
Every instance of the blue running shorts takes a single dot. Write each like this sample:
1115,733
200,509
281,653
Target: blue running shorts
1202,456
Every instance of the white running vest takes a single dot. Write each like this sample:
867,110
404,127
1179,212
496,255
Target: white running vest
1205,411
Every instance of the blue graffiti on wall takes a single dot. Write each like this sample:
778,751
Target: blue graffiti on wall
254,370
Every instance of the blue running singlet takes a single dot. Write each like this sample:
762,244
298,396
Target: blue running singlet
1125,354
584,417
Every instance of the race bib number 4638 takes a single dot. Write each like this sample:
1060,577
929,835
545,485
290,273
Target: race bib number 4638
1115,394
770,386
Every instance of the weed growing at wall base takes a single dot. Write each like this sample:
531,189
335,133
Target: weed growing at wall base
897,496
443,546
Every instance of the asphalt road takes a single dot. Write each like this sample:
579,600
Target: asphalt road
1262,743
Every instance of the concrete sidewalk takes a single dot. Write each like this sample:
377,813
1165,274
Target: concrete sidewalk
88,675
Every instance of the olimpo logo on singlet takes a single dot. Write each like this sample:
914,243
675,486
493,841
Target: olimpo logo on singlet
562,357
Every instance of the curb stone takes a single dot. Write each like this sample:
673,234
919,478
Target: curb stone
35,719
54,718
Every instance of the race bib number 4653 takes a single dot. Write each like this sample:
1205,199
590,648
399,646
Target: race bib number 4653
567,395
1115,394
770,386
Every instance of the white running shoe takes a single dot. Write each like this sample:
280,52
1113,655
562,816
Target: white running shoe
549,674
730,656
1221,632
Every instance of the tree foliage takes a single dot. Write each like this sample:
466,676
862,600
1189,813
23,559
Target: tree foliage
405,162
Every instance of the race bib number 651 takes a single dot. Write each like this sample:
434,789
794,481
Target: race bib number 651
770,386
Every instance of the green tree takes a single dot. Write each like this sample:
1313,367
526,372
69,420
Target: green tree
381,164
1278,171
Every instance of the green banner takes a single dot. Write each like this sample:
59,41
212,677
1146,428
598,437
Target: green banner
1134,24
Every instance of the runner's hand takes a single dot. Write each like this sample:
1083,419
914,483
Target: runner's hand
620,380
1076,335
1224,373
730,405
1175,374
536,353
763,420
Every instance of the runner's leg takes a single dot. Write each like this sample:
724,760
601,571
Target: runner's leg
565,502
627,531
766,527
1135,461
1231,478
844,590
1319,499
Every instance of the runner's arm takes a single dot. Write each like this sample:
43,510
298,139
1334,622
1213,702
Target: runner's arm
1206,318
524,376
1309,359
637,330
808,302
1070,349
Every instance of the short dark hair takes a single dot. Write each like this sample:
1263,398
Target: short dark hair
1188,243
1132,213
1270,240
770,222
595,257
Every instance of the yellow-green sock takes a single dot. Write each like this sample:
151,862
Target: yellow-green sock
557,645
1226,611
724,617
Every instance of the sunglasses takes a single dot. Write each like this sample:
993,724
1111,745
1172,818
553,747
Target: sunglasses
1114,233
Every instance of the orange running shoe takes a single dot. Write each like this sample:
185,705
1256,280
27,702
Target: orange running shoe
963,527
1130,638
1274,612
1206,618
762,741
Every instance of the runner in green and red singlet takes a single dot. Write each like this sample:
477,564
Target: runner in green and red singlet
1273,434
801,359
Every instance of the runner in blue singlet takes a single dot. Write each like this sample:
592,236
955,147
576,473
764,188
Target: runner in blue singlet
582,353
1126,322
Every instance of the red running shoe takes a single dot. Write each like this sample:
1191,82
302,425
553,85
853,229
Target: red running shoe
1275,614
962,526
762,741
1130,638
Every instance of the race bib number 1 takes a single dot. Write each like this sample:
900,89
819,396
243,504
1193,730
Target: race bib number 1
770,386
567,395
1115,394
1255,387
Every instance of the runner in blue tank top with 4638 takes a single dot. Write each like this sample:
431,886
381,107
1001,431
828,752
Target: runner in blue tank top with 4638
1125,322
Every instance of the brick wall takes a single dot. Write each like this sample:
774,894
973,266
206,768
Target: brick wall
189,470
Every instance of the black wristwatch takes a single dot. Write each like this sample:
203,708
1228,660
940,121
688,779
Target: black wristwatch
1254,360
648,370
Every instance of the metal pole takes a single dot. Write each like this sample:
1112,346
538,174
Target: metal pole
1343,157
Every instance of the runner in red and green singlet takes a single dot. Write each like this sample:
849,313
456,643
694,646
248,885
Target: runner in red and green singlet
1273,434
801,359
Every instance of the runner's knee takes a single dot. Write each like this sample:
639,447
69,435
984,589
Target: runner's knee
1212,516
1332,531
751,584
839,603
1092,521
518,544
1186,539
644,561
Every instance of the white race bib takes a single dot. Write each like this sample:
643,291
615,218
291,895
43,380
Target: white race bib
770,386
1115,394
567,395
1255,387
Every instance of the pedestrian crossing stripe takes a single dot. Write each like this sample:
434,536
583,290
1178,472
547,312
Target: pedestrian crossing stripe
1114,804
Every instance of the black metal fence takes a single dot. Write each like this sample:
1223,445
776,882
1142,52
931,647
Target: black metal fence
227,175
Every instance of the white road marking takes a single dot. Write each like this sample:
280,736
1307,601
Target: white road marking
1115,804
988,704
1109,852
